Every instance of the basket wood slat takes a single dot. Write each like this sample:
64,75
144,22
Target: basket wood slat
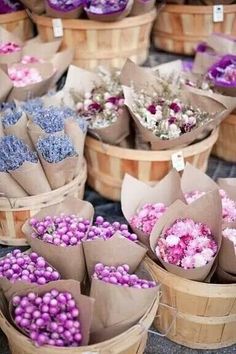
15,211
179,28
225,147
102,43
206,313
108,164
19,22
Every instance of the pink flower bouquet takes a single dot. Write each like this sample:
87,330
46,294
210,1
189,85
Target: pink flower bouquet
108,10
187,239
143,205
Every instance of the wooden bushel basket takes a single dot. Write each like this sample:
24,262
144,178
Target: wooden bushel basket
225,147
206,313
19,22
15,211
102,43
107,164
179,28
132,341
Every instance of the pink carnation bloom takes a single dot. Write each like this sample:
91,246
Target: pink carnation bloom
147,216
187,244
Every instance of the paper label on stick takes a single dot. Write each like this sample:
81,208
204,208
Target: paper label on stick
57,27
218,13
178,161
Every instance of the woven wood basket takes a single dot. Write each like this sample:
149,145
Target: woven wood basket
15,211
101,43
133,341
107,164
225,147
19,22
178,28
206,313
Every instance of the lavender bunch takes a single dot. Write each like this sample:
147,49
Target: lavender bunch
14,152
11,116
56,148
33,105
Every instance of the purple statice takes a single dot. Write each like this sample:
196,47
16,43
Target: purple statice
11,117
65,5
55,148
101,7
7,6
14,152
32,105
223,72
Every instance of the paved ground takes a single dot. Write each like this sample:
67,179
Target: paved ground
216,169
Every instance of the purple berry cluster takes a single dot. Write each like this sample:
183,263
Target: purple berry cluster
49,319
120,276
103,229
31,268
63,230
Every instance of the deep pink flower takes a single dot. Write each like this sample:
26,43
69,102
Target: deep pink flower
95,107
175,107
152,109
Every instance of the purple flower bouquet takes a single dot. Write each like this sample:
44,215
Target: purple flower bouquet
108,10
8,6
68,9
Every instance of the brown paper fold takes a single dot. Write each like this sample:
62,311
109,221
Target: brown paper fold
36,6
61,62
14,57
229,186
117,308
37,89
111,17
222,43
203,61
69,261
31,178
113,252
224,277
134,194
20,130
42,50
81,80
72,14
207,210
141,7
227,255
84,303
195,180
9,187
5,87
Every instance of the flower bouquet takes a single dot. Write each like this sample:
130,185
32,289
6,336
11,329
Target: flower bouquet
8,6
143,205
100,103
141,7
68,9
187,239
108,10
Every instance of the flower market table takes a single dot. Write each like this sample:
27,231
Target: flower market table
217,168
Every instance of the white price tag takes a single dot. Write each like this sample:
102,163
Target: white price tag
57,27
218,13
178,161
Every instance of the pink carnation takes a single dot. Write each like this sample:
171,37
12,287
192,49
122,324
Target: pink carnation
146,217
187,244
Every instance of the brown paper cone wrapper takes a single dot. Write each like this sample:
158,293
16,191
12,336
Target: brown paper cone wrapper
34,90
203,61
227,255
115,16
134,194
81,80
36,6
84,303
141,7
212,272
60,173
9,187
113,252
31,178
117,308
73,14
61,62
36,132
195,180
221,43
116,132
224,277
226,90
69,261
5,87
207,210
45,51
10,58
20,130
172,68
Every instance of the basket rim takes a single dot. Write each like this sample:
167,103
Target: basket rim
191,286
75,24
14,16
141,155
196,9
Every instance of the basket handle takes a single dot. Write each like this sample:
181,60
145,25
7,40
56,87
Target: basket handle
175,312
3,195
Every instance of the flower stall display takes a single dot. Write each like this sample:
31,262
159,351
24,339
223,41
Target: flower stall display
64,9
